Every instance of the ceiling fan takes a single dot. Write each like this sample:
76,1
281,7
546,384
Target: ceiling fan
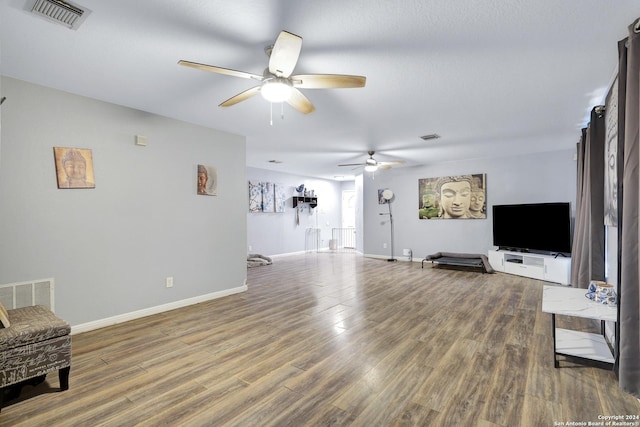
277,83
372,165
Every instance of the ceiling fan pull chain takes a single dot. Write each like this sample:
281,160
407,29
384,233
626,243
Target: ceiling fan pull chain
271,111
282,110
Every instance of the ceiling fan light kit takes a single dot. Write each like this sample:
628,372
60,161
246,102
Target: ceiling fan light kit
276,89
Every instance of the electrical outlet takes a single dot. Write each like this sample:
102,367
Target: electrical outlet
169,282
250,248
384,246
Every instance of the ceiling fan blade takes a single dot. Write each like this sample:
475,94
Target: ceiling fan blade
220,70
300,102
384,167
242,96
285,53
353,164
324,81
395,162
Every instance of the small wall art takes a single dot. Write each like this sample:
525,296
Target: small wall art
207,182
266,197
452,197
281,197
74,167
255,196
268,194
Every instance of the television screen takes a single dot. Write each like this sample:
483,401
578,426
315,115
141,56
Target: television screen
542,227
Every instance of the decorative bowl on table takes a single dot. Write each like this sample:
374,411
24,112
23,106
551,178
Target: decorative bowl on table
602,293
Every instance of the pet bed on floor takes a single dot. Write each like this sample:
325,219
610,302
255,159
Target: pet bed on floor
257,260
460,260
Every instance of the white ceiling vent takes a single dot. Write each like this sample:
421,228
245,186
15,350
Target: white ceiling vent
430,136
62,12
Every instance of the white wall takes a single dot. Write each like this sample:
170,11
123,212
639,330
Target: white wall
359,187
278,233
542,177
110,249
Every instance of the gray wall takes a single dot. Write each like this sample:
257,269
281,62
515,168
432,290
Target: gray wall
110,249
543,177
277,233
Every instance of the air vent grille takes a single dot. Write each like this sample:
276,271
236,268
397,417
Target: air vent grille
59,11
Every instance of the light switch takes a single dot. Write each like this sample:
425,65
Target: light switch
141,140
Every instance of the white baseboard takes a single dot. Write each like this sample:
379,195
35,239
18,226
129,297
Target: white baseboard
288,254
319,250
397,258
97,324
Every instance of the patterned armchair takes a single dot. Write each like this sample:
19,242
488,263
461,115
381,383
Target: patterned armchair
33,343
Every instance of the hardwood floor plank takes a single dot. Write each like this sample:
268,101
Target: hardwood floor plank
464,404
266,398
539,412
194,405
542,381
395,397
443,380
416,415
360,395
504,400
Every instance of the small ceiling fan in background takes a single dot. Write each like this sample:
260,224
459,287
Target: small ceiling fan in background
277,83
372,165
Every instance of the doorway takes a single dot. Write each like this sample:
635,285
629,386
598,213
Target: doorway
345,237
348,209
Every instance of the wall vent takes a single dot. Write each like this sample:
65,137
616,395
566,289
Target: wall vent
62,12
23,294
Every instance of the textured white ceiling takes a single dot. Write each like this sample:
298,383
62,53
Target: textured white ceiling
489,76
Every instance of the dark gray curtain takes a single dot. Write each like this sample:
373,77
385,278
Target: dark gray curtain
587,254
628,357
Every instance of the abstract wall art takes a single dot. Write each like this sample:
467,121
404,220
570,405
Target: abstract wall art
280,197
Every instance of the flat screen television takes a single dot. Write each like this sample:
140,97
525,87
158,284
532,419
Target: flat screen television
543,227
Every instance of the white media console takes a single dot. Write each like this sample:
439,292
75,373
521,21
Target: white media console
536,266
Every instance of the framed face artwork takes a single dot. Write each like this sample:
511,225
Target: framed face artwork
453,197
74,167
207,180
611,157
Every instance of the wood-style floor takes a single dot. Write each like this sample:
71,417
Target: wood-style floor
333,339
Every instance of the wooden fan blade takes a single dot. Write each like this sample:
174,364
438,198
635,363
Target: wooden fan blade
383,166
324,81
395,162
285,53
220,70
300,102
242,96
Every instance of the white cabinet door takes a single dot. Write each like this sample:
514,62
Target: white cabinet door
557,270
496,259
